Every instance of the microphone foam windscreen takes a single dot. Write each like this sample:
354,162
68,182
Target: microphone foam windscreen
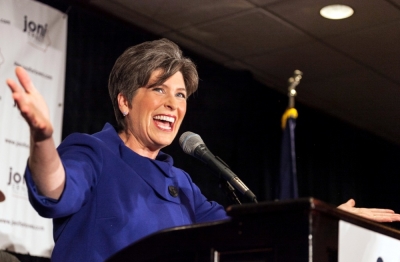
189,141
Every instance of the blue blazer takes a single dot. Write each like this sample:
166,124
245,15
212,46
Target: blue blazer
114,197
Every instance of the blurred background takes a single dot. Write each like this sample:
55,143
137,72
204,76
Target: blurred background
347,142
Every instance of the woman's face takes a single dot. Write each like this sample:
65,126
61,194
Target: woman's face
157,112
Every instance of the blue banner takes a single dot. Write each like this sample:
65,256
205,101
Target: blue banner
288,188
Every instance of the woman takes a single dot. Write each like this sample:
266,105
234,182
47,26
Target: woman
107,190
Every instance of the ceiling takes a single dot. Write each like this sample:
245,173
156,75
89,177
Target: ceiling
351,67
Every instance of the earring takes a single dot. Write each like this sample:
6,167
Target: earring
124,113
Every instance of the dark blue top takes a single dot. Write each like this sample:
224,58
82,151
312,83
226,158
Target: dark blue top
114,197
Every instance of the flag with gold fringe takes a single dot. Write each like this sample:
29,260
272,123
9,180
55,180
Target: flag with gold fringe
288,188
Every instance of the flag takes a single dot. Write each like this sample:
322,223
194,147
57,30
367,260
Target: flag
288,174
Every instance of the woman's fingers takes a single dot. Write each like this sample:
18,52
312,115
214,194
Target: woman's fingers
381,211
15,88
24,79
31,104
18,94
376,214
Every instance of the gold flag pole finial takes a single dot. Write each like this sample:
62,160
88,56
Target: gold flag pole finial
293,82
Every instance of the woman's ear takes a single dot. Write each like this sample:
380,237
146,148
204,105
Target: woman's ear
123,104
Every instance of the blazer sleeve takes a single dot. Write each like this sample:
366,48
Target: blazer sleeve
205,210
81,156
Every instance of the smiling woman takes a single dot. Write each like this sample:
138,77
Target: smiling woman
116,186
149,65
154,115
107,190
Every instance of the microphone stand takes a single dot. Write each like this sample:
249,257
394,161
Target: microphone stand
229,190
227,187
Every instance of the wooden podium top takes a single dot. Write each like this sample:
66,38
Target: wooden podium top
293,230
312,205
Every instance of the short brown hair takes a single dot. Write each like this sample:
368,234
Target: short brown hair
133,69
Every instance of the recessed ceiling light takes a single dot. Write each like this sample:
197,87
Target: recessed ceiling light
336,12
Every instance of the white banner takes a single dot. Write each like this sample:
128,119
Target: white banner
357,244
34,36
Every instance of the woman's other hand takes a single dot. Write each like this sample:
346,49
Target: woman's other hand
375,214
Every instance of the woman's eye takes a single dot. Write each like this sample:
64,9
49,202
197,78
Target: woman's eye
181,95
159,90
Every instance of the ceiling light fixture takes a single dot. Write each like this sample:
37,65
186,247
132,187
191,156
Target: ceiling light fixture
336,12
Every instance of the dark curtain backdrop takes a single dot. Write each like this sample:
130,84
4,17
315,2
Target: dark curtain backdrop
238,119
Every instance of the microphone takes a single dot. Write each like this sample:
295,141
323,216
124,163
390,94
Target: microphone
193,145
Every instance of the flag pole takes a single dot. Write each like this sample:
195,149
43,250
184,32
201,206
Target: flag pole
287,188
292,93
293,82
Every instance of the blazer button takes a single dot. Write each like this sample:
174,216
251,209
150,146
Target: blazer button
173,191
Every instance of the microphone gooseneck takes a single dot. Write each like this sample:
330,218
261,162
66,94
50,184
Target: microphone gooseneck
193,145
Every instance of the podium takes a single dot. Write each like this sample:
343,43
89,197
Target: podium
295,230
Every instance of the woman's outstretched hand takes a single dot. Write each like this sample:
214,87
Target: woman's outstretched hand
375,214
44,162
32,105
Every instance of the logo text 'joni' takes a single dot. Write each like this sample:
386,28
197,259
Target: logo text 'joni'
35,30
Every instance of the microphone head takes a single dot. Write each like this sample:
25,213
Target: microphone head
189,141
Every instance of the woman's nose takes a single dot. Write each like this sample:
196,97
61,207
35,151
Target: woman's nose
171,102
